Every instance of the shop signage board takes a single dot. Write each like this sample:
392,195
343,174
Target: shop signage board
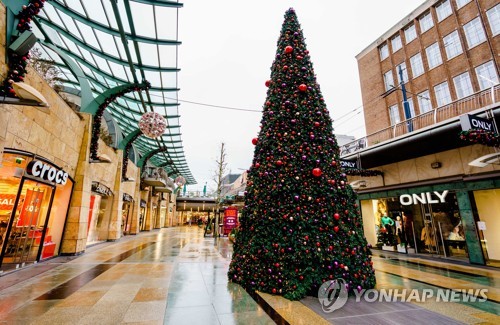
347,164
101,189
424,198
47,172
230,219
471,122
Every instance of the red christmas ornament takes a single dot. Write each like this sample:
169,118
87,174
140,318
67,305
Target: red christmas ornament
288,49
254,141
336,216
316,124
268,83
316,172
302,87
279,163
336,228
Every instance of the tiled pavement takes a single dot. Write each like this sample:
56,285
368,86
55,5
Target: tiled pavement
175,276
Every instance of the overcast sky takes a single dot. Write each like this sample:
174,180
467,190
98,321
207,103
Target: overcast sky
227,50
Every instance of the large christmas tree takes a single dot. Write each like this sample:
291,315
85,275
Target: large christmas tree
300,225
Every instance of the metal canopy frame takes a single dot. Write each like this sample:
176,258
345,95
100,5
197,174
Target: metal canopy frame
112,43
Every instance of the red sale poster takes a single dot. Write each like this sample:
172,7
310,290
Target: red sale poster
30,208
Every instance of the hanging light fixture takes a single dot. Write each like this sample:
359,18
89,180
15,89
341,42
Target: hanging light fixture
152,124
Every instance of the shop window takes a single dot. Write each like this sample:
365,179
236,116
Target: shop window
384,52
443,10
417,66
425,22
410,33
494,19
486,75
452,45
396,43
463,85
433,55
474,33
442,92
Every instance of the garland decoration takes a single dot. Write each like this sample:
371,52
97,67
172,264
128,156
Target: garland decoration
362,172
479,136
125,155
96,125
17,63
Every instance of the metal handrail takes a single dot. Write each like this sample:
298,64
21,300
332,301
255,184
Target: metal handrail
459,107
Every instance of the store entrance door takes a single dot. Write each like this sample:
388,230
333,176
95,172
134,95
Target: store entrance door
27,224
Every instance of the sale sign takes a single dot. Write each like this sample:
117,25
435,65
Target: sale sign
30,208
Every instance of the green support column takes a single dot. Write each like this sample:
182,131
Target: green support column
471,238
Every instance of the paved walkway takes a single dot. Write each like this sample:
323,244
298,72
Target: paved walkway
175,276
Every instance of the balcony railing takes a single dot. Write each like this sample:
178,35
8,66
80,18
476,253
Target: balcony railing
154,176
462,106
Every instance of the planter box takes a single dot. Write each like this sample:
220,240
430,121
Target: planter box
388,248
401,249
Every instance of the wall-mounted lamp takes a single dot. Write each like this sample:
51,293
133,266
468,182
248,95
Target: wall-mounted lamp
27,96
436,165
102,158
358,184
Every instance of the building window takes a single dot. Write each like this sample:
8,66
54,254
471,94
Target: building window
396,43
433,55
394,114
486,75
463,86
404,70
442,93
424,102
474,33
461,3
426,22
388,80
417,66
384,52
452,45
410,33
443,10
411,106
494,19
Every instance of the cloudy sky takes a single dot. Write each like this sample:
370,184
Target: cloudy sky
227,50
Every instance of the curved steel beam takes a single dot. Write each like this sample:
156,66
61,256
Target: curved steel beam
129,138
106,29
142,162
93,107
103,55
161,3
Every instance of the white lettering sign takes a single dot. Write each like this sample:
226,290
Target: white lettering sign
481,124
424,198
47,172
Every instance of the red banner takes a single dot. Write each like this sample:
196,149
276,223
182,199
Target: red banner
30,208
7,201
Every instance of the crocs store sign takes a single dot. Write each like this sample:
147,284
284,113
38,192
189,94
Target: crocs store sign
42,170
424,198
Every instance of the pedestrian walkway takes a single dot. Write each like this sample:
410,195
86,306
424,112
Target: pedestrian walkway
176,276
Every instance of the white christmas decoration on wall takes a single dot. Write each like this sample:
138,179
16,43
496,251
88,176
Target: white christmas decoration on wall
152,124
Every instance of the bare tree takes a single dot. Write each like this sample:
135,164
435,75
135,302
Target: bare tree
221,165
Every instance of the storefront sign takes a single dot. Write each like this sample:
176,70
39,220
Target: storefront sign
424,198
45,171
101,189
7,201
127,197
348,164
469,122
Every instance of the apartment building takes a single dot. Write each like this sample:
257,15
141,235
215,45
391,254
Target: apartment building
441,194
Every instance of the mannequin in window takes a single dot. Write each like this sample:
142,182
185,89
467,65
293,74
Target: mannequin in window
399,230
427,236
408,228
455,234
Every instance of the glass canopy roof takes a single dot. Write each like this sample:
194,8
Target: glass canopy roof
114,43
